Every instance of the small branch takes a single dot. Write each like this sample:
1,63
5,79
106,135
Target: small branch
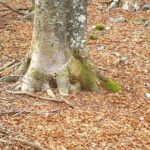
11,78
44,98
8,65
12,86
15,65
19,9
12,9
12,136
22,69
9,113
29,16
18,112
36,146
5,14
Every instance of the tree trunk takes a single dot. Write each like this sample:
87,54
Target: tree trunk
59,48
77,26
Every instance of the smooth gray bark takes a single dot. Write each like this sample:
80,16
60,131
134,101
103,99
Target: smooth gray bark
50,49
59,33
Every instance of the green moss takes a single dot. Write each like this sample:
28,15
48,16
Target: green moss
80,72
38,75
93,37
111,85
99,27
88,78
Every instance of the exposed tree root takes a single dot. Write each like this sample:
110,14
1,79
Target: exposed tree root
90,77
107,82
29,16
18,112
12,9
12,86
22,69
22,141
15,65
11,78
8,65
62,100
29,143
77,72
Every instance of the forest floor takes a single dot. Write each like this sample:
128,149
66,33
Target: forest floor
105,121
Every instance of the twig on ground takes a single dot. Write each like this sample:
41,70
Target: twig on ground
5,14
22,140
12,86
36,146
15,65
18,112
11,78
19,9
29,16
12,9
44,98
102,68
8,65
9,113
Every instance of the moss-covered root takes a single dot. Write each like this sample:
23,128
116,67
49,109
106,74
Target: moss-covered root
80,72
88,78
91,76
109,83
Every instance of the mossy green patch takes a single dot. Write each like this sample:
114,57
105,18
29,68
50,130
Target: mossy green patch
93,37
99,27
38,75
111,85
88,78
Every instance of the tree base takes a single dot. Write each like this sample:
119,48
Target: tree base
75,76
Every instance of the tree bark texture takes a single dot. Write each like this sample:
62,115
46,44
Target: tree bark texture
77,26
